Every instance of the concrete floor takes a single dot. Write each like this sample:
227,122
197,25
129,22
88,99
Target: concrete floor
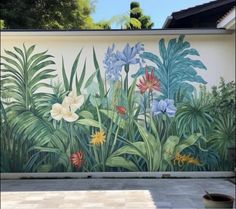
110,193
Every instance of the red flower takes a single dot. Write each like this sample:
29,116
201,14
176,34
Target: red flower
121,110
77,159
149,82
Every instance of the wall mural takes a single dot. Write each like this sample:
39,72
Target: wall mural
148,119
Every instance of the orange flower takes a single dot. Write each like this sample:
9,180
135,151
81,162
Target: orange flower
149,82
77,159
121,110
182,159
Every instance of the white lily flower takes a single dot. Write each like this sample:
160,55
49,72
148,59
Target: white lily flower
73,101
57,111
67,109
70,116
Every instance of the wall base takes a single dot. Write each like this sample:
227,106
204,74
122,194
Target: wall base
210,174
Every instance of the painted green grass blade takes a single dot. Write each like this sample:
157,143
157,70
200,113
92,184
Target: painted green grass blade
79,82
65,80
73,70
99,77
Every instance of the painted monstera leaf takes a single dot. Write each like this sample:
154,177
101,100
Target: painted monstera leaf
175,69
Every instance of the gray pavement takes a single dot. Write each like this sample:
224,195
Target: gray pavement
110,193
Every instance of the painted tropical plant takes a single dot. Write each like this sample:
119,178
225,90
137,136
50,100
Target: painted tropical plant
154,120
175,68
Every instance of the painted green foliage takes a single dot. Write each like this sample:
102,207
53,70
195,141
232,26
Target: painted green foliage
156,121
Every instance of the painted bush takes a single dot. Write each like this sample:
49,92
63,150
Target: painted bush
149,120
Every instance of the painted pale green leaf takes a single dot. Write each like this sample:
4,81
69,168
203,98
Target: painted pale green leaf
135,148
44,168
90,122
157,159
86,114
150,141
191,140
168,150
121,162
95,101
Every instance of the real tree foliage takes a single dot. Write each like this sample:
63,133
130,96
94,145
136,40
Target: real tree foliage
136,15
2,24
48,14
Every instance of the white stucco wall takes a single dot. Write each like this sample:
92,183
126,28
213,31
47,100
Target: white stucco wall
217,51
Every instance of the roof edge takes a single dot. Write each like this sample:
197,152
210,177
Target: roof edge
5,33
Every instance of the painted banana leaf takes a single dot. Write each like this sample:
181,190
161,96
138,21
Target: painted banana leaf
175,69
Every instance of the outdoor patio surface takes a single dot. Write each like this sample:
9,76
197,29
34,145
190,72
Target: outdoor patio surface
110,193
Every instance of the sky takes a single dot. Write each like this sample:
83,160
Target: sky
157,9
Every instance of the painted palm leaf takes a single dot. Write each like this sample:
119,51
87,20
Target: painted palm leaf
175,69
24,73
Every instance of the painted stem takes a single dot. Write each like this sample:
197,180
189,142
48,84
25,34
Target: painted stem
126,81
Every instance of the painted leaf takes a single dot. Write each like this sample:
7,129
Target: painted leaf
65,80
81,79
89,122
135,148
73,70
98,74
117,161
191,140
86,114
168,149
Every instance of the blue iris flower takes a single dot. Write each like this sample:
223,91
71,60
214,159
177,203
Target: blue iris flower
114,61
164,106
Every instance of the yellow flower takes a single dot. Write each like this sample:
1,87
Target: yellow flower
98,138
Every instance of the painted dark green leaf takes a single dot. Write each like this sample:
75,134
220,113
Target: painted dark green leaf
98,74
65,80
73,70
81,79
